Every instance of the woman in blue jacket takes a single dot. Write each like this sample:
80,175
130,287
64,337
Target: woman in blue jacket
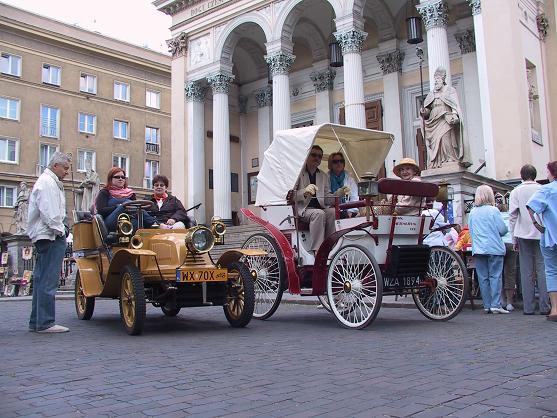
486,229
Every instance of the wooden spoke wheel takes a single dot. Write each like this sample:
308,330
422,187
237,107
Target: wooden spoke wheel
240,295
132,300
447,286
170,312
84,306
354,287
269,273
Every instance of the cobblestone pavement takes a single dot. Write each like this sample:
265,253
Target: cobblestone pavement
300,363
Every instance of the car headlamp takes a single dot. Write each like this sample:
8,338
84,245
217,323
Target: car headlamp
200,239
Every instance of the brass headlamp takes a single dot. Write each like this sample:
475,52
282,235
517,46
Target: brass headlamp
218,228
199,239
125,228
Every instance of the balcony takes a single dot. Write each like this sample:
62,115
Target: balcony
151,148
50,131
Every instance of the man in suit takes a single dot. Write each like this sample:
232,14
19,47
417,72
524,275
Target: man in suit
314,199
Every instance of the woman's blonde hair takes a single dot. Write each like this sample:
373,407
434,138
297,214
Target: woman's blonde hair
484,196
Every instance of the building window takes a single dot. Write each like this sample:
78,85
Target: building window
7,196
152,140
88,83
122,161
9,108
51,74
8,150
10,64
151,170
121,91
87,123
45,154
82,157
50,121
120,129
153,99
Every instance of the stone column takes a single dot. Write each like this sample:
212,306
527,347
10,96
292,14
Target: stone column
264,98
220,83
178,124
279,65
351,43
195,104
435,14
391,64
323,82
243,108
473,143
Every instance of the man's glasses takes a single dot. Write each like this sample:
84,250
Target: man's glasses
316,155
338,161
119,177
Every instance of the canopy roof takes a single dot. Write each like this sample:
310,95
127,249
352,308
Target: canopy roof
364,151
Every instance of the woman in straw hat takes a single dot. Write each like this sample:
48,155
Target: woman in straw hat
407,169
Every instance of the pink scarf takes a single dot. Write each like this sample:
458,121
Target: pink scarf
163,197
120,193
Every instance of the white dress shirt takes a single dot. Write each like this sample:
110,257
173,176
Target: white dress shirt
520,224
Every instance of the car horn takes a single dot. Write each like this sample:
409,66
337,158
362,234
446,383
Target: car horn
125,227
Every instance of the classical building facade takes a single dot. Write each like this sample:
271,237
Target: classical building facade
241,70
63,88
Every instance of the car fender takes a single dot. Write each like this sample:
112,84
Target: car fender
231,256
90,276
120,259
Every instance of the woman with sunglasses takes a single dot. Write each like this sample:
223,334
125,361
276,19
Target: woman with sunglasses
340,178
168,210
110,200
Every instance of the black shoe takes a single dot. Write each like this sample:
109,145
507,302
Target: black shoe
544,313
528,313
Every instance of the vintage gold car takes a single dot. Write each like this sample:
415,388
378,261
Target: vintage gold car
170,269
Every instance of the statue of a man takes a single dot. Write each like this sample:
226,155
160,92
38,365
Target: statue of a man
90,185
442,119
20,209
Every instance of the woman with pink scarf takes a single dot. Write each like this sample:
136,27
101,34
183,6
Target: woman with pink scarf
110,200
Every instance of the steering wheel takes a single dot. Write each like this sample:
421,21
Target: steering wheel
135,205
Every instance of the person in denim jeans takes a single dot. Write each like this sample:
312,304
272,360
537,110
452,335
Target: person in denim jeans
486,229
47,212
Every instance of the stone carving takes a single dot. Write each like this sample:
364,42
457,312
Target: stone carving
199,51
178,45
391,62
351,40
295,91
20,209
443,122
323,80
264,96
90,187
280,62
220,83
543,25
532,96
243,104
195,92
466,41
476,6
434,14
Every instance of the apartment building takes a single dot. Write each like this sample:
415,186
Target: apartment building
64,88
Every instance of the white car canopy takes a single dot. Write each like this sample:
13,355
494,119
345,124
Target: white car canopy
364,151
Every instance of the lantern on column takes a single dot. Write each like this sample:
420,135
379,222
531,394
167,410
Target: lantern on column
414,30
335,53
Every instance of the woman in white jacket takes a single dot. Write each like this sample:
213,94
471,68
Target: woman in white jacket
339,177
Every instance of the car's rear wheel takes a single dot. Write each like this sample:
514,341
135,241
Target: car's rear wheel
324,301
132,300
84,306
170,311
240,295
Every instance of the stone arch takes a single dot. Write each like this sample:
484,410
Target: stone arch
379,12
225,44
313,39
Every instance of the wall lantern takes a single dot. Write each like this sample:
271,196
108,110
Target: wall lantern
335,53
414,30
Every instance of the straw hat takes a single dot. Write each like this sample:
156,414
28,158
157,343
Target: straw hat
406,161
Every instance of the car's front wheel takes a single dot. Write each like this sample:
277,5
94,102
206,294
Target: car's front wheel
240,295
132,300
84,306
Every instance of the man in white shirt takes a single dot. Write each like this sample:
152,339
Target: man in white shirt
526,239
47,212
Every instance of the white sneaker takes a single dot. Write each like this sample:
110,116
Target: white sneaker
55,329
499,310
509,307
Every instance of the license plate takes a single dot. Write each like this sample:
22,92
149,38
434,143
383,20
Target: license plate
194,276
407,281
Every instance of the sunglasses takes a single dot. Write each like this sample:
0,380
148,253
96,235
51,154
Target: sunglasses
119,177
338,161
316,155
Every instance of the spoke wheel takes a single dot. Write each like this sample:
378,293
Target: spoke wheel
445,296
84,306
324,301
132,300
269,272
354,287
240,295
170,312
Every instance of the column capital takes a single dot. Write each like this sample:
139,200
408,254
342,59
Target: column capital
543,25
466,41
351,40
323,80
391,62
220,82
280,62
195,92
243,103
178,46
476,6
435,13
264,96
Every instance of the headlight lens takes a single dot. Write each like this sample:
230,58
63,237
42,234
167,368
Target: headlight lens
200,240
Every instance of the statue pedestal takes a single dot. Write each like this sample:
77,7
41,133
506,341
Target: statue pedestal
447,168
16,264
464,184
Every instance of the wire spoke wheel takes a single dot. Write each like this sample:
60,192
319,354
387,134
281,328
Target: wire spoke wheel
446,290
240,295
132,300
354,287
269,273
324,301
84,306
